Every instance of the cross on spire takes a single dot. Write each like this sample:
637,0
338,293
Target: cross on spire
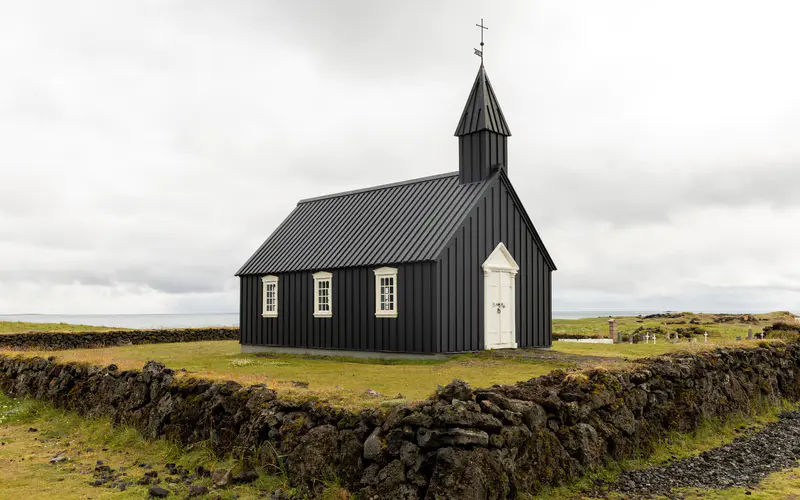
480,52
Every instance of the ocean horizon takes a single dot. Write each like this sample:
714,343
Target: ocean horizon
144,321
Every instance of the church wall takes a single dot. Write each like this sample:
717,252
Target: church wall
353,325
495,218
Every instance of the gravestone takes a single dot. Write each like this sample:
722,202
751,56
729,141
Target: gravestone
705,334
749,334
613,333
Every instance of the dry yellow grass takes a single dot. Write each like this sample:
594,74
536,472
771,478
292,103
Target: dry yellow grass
9,327
25,471
339,381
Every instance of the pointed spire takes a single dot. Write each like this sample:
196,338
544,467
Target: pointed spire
482,111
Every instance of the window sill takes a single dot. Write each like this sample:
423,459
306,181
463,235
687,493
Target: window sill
269,315
323,315
386,314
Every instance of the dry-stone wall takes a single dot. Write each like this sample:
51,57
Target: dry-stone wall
463,443
82,340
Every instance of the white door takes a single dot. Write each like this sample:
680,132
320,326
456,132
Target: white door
500,272
499,310
506,308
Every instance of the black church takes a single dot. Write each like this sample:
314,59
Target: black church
442,264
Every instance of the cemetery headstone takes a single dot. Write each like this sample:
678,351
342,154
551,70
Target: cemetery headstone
613,333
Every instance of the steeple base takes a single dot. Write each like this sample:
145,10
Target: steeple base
479,155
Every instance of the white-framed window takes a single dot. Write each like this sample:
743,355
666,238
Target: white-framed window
269,305
323,296
386,292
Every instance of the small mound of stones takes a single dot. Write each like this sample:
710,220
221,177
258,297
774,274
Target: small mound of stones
742,463
122,478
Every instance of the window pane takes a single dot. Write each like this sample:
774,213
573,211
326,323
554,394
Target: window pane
270,293
323,300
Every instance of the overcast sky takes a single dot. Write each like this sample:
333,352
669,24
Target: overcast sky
148,148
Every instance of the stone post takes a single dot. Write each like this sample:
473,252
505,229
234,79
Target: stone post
613,334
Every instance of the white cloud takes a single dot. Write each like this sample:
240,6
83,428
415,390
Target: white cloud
149,147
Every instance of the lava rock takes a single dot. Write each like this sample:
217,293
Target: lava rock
221,477
457,389
247,476
314,456
158,492
374,446
196,490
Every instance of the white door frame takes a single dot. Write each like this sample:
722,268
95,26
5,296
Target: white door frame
499,261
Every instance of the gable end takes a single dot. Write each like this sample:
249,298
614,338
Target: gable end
515,198
501,178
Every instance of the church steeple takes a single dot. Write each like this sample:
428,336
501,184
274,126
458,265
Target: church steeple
481,132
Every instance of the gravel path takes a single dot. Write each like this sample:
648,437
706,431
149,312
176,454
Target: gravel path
742,463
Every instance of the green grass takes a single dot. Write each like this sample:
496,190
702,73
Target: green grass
341,381
783,485
26,473
623,350
24,327
710,434
598,327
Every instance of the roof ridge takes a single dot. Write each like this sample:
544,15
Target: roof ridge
379,187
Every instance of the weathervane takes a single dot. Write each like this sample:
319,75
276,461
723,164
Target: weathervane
480,52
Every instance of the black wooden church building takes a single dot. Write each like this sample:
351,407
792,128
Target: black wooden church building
441,264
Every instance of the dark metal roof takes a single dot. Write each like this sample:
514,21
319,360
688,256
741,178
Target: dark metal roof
482,111
390,224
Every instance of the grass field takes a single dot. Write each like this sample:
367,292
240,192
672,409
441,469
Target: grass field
780,485
25,471
641,350
718,326
7,327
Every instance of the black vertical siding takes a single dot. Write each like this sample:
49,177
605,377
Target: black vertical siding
478,153
353,325
495,218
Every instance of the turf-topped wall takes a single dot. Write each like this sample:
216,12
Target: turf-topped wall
83,340
463,443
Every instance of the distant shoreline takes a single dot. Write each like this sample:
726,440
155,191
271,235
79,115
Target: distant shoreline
149,321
